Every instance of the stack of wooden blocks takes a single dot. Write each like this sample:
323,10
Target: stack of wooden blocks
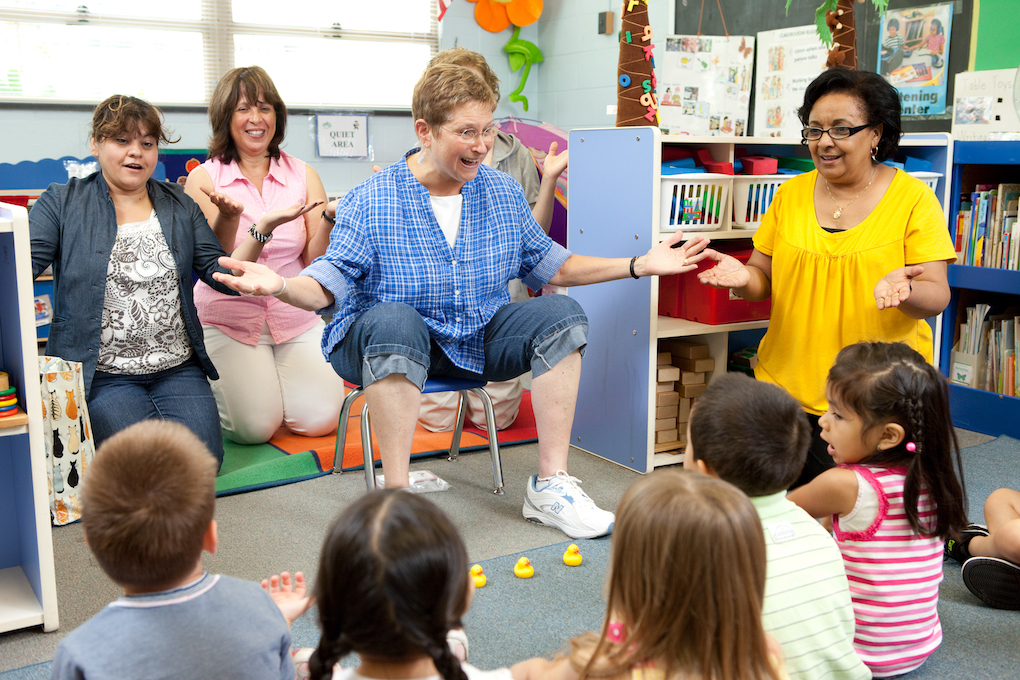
680,378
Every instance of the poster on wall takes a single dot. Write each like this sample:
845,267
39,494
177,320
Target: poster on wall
984,108
343,135
913,55
788,60
705,85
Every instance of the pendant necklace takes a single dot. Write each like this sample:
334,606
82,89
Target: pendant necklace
839,211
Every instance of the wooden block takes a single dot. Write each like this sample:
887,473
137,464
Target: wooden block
5,381
669,411
667,398
687,391
691,378
684,409
667,373
665,424
687,349
664,387
704,365
663,358
666,436
673,448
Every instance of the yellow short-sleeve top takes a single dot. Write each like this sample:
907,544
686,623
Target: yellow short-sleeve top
823,283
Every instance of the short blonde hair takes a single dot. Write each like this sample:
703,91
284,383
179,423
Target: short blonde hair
445,87
462,56
147,503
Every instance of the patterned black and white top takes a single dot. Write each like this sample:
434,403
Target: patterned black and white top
143,328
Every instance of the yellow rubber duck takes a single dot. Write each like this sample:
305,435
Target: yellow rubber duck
523,569
477,576
572,557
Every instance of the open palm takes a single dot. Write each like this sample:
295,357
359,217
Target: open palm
729,272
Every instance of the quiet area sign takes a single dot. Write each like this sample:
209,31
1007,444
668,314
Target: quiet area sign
342,135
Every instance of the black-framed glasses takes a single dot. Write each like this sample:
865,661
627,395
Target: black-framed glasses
812,134
470,136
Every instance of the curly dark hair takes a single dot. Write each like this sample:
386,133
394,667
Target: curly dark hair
877,98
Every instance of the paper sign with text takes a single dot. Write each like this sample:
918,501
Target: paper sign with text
342,135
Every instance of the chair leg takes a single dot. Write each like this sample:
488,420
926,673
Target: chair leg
461,413
366,448
490,423
341,430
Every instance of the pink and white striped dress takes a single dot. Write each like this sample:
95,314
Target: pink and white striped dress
894,575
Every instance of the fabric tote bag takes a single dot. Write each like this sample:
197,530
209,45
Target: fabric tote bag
67,436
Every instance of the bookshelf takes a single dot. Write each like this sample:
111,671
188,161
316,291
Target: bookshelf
27,579
973,409
615,192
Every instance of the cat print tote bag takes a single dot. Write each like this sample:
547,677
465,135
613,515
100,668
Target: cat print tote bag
67,434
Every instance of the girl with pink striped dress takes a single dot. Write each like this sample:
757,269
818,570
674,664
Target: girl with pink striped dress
896,494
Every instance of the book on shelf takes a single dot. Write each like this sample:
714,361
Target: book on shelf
985,225
986,355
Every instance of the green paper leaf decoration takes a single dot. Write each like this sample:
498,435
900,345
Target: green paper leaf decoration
516,61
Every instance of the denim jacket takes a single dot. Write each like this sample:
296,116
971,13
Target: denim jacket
73,226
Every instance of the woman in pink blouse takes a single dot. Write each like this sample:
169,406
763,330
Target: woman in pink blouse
272,370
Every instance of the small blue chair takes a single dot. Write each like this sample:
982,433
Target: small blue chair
432,385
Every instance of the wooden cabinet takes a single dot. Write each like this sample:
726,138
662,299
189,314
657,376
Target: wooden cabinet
28,594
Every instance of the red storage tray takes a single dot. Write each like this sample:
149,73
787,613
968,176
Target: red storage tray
682,296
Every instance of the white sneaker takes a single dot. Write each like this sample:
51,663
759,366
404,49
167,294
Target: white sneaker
562,504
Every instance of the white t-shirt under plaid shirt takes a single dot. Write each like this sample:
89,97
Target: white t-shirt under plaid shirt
388,247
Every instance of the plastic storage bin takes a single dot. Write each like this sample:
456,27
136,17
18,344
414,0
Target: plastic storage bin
682,296
694,202
929,178
752,196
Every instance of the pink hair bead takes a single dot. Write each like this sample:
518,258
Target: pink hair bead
911,446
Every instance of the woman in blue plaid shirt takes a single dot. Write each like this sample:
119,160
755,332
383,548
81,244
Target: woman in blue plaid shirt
415,277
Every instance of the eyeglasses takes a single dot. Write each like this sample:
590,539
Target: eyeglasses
838,132
470,136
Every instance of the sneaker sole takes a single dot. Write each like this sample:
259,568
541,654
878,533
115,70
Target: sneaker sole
993,581
533,514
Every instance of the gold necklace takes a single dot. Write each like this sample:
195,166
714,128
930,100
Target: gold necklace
839,211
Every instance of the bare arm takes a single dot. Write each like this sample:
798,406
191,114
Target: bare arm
316,227
752,281
553,167
834,492
257,279
919,291
662,259
543,669
200,187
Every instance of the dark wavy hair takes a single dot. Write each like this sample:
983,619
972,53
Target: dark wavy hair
250,81
877,98
392,581
122,113
889,382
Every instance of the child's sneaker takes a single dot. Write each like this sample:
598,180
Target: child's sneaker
957,550
301,657
993,581
457,640
562,504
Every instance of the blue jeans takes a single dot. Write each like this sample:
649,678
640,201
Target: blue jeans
180,394
533,335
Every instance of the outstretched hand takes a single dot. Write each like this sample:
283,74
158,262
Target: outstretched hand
291,596
665,259
554,163
895,287
729,272
275,218
227,206
249,278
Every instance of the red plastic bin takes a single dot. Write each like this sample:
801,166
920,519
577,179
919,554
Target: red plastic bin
682,296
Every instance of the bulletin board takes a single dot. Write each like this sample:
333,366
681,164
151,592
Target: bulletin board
748,18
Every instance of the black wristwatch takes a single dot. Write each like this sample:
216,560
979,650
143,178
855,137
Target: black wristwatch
261,238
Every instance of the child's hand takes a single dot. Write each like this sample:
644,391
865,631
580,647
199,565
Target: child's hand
290,596
554,163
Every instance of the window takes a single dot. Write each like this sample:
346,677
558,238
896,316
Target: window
332,53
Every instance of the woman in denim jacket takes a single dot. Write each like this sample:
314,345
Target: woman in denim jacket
123,247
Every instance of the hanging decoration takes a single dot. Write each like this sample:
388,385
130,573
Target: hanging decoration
496,16
636,100
835,22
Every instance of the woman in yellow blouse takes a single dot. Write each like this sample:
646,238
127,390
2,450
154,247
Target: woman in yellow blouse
854,250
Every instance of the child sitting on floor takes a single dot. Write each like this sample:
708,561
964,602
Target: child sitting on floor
147,513
686,580
895,496
991,553
755,436
393,582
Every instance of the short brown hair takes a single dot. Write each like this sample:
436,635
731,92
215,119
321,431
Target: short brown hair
686,580
462,56
445,87
147,503
121,113
751,433
250,81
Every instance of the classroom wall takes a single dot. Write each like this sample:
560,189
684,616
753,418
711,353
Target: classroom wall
997,44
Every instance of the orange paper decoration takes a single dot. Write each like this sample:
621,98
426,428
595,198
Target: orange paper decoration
496,15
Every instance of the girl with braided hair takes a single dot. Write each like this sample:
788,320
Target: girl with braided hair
896,494
393,581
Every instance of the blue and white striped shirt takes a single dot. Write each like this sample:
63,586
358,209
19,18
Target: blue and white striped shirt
387,247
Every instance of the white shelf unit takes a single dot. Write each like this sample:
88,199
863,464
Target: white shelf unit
614,211
28,593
